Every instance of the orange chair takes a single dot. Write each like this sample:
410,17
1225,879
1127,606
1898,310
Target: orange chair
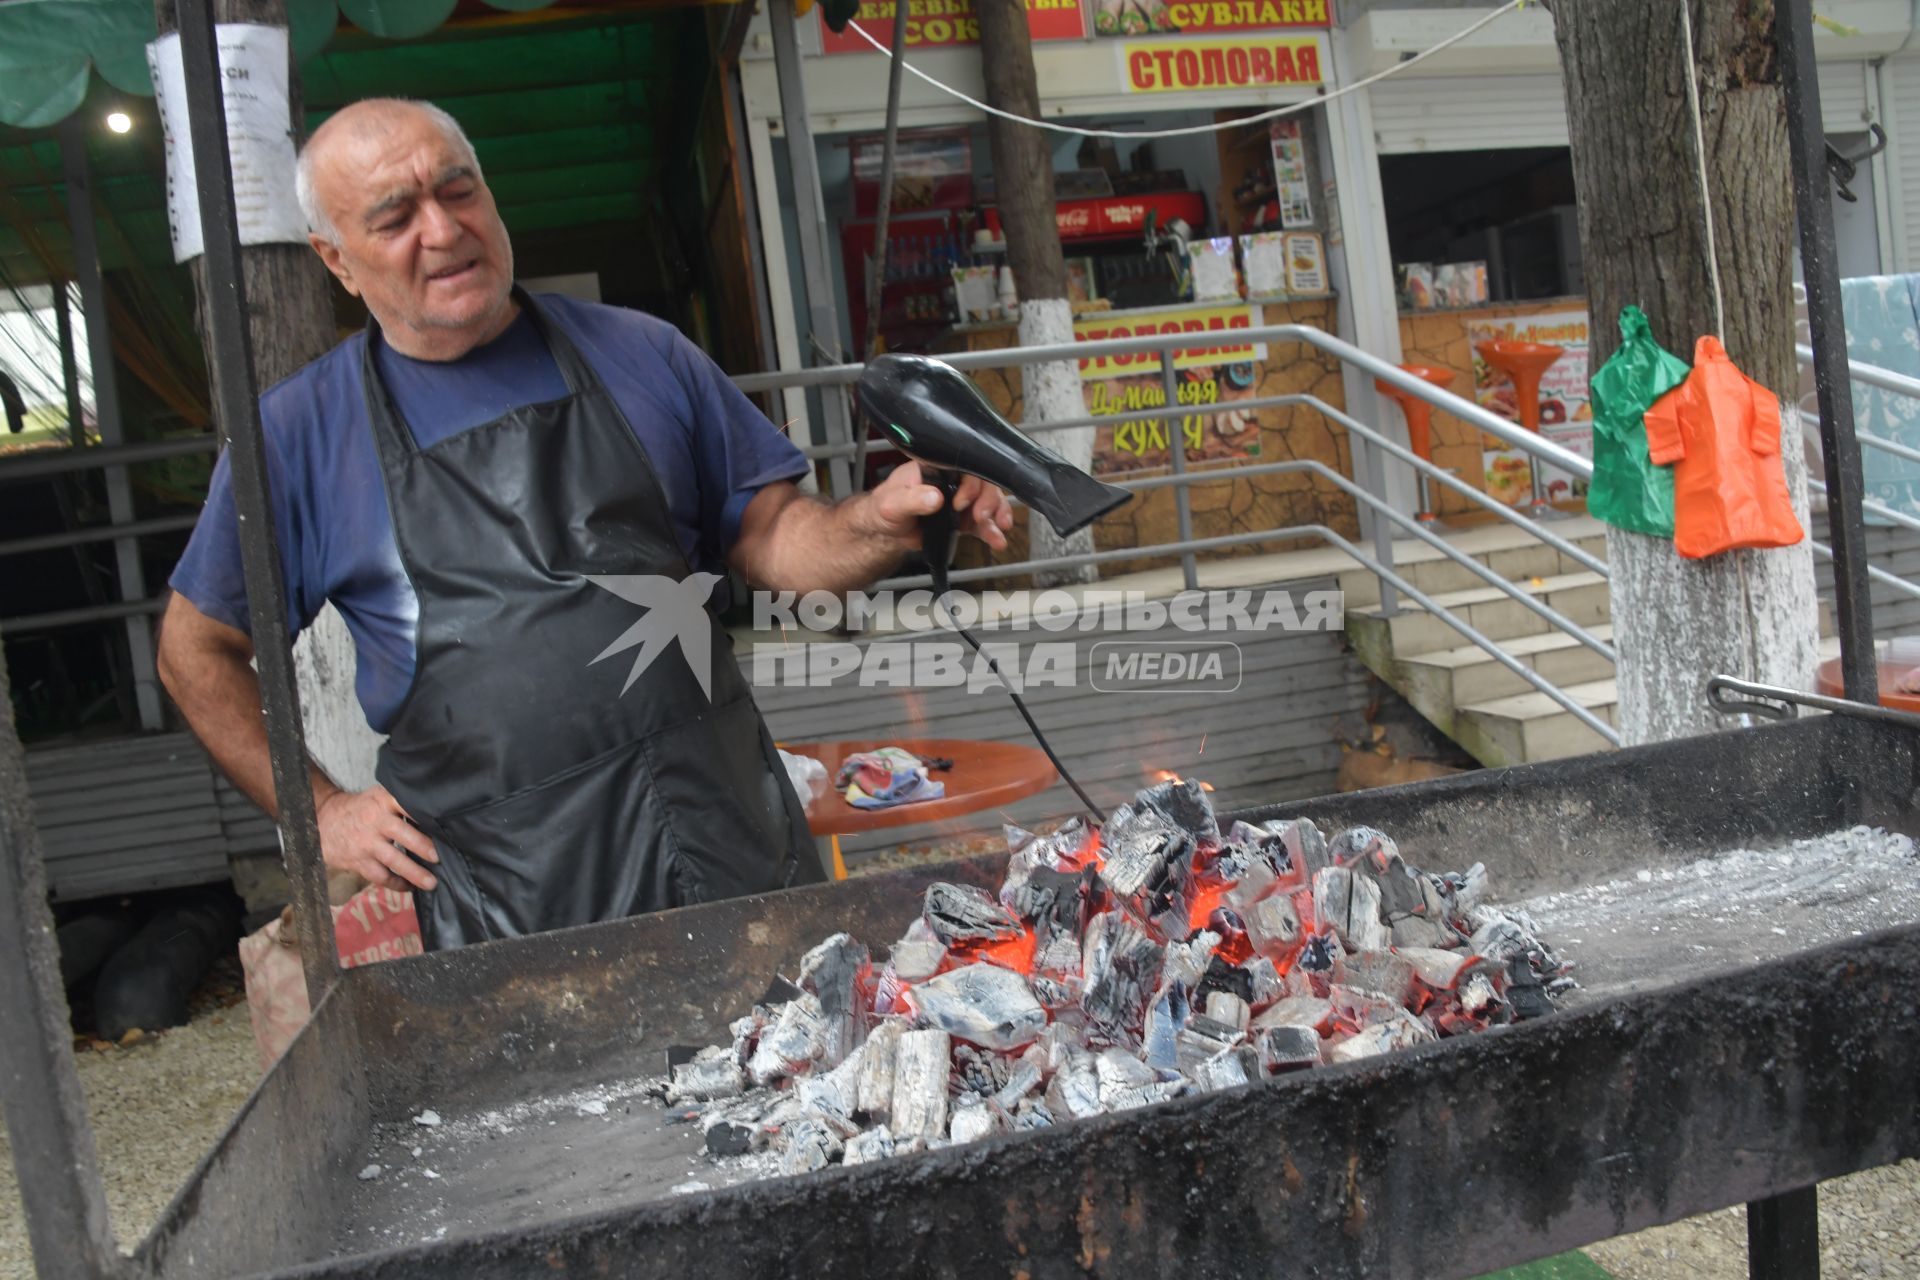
1524,362
1720,432
1419,423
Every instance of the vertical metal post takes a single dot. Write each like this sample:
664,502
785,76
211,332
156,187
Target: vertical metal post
60,1187
1819,267
106,412
810,211
69,366
1783,1236
237,410
1177,455
1783,1232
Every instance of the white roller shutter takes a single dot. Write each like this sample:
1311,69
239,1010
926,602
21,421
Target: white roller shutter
1485,113
1903,142
1468,113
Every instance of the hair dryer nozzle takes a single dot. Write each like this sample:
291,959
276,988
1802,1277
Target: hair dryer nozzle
933,412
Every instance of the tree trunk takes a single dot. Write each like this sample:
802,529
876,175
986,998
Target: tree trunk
1023,179
290,323
1747,613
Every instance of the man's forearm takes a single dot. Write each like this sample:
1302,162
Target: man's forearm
823,547
216,688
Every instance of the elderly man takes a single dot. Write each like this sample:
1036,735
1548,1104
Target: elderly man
497,491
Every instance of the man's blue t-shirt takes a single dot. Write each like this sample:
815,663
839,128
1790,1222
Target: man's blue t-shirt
710,447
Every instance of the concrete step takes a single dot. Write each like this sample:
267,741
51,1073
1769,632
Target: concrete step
1452,678
1440,573
1528,727
1581,597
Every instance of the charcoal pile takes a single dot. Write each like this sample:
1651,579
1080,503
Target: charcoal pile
1153,957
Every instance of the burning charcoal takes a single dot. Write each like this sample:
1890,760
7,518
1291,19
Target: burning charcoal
1403,891
1225,1007
982,1004
1401,1032
872,1144
1054,994
746,1033
1122,967
1285,1048
1524,993
1033,1115
834,973
922,1061
1227,1069
1419,931
967,916
726,1138
1438,969
1146,855
918,954
1306,847
1351,905
1059,852
875,1094
1202,1039
1317,956
1272,925
1074,1091
1296,1011
1183,803
978,1071
1230,978
1187,963
1469,887
792,1043
1056,903
1360,1007
1024,1079
1357,843
810,1146
704,1081
1166,1019
835,1094
1258,882
1126,1082
973,1119
1264,983
1382,971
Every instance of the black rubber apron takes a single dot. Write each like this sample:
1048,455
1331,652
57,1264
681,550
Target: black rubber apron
553,797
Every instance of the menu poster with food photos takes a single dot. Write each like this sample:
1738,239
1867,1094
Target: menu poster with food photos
1294,192
1566,416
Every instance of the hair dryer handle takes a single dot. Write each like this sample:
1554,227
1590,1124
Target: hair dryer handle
938,529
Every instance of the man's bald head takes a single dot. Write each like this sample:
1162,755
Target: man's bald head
362,121
399,213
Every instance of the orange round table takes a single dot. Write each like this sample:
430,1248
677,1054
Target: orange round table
1827,680
985,775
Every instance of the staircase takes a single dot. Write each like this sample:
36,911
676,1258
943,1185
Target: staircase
1496,716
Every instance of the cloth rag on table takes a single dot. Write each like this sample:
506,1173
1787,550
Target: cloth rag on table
881,779
1721,431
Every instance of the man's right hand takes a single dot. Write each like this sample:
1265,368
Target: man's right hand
368,833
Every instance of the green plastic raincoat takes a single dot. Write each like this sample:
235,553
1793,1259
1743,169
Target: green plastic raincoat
1628,490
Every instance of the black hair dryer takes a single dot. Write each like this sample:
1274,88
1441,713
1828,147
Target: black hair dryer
934,414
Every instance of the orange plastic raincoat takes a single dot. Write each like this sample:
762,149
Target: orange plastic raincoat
1720,430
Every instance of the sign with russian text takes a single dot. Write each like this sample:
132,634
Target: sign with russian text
1217,321
937,23
1151,17
1242,63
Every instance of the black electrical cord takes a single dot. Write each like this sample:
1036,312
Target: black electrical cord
937,542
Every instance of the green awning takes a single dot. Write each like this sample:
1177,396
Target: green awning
50,48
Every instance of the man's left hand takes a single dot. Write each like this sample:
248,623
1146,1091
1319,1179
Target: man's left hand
898,503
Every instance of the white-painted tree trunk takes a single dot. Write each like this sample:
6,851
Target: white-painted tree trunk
1750,614
338,736
1051,393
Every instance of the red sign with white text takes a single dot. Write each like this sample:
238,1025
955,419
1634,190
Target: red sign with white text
1242,62
1108,217
934,23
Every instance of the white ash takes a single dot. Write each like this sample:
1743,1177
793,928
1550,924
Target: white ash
1161,960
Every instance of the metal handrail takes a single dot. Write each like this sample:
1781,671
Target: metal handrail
1871,374
1474,415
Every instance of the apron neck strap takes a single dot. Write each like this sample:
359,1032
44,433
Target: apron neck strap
390,429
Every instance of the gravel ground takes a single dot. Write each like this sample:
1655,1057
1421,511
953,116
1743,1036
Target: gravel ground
157,1105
